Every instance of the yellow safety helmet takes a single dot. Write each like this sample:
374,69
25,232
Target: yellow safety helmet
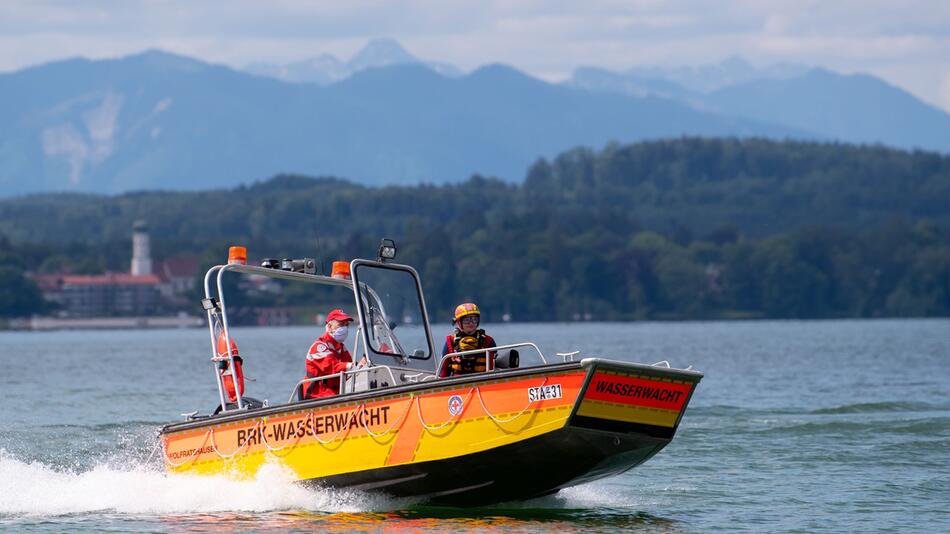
466,309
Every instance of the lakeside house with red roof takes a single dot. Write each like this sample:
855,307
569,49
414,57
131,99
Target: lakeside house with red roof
103,295
140,292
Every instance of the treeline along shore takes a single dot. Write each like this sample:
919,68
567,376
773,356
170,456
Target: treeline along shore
679,229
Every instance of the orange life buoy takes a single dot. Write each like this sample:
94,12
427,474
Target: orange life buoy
225,371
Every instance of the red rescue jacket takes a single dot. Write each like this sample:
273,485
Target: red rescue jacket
326,356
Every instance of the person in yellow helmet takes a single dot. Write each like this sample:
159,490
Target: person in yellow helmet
467,336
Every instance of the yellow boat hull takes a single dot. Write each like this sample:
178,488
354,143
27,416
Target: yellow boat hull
470,440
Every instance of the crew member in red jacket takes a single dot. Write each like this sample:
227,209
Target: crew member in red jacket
467,336
328,356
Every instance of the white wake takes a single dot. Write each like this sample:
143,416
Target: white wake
35,489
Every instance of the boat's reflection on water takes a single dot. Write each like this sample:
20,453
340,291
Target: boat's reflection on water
430,519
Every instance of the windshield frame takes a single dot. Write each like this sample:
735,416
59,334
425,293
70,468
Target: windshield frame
361,311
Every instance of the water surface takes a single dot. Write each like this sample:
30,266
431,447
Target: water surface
798,426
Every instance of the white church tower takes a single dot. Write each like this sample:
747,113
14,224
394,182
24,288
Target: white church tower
141,259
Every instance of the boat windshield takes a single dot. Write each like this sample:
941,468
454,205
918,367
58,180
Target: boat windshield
393,312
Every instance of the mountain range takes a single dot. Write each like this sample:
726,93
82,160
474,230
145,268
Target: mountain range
156,120
325,69
855,108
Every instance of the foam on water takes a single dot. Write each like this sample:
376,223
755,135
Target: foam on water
36,489
593,495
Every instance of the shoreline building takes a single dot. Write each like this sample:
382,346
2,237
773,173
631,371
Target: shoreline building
137,292
141,256
101,295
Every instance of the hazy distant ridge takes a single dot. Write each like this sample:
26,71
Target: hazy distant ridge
161,121
856,108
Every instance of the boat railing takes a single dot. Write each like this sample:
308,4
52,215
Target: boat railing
447,357
420,376
344,378
214,303
568,356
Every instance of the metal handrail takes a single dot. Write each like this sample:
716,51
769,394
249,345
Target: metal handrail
293,393
214,342
486,350
414,378
247,269
227,340
568,356
213,283
342,376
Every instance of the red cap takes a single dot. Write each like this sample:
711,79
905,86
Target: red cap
338,315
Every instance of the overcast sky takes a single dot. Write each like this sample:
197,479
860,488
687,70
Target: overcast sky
906,43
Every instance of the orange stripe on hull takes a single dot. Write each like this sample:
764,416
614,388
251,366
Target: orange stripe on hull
404,448
397,424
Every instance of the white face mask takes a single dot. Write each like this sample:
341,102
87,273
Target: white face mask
340,333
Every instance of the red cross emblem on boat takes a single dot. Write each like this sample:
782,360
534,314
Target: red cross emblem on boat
455,405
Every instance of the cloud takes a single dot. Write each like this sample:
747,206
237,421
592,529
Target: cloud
545,38
943,98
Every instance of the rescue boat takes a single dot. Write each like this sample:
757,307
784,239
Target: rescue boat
525,427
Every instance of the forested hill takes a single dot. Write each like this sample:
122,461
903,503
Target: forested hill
673,229
757,187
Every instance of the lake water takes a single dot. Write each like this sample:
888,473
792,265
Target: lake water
798,426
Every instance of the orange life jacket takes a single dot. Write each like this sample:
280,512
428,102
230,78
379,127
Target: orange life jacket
225,371
475,363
